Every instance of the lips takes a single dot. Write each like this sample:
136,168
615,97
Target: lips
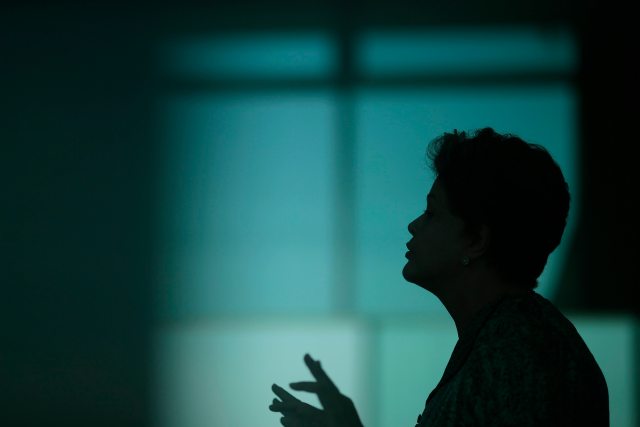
408,254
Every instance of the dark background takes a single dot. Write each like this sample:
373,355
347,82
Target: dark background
77,85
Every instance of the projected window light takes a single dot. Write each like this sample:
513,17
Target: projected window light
249,180
466,51
220,373
611,341
246,55
395,127
247,205
413,353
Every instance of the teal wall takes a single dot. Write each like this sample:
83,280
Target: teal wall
181,219
252,185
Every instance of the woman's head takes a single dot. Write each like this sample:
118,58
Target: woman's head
513,188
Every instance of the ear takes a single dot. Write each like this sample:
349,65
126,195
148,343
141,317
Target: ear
478,242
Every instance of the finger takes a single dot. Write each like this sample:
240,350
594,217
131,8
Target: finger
289,407
308,386
319,374
283,394
288,421
278,406
302,410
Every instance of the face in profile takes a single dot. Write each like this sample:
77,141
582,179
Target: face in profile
436,244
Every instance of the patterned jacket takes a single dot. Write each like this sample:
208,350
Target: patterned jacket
519,362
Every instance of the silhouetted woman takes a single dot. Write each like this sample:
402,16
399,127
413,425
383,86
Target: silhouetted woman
496,210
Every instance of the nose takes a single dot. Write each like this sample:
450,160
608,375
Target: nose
412,226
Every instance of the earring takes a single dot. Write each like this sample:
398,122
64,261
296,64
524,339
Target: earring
465,260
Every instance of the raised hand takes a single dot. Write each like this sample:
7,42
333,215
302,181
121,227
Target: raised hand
337,410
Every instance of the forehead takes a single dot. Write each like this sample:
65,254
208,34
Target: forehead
436,194
438,198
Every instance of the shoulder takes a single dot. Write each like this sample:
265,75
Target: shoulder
524,322
532,323
530,358
529,332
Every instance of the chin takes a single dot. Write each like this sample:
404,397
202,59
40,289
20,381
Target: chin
409,274
412,276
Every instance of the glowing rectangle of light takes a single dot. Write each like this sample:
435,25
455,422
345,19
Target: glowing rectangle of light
220,373
250,55
466,51
245,222
413,353
393,179
611,341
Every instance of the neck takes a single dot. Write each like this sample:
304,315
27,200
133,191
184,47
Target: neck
464,301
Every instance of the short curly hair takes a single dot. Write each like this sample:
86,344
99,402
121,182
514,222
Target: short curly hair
514,188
